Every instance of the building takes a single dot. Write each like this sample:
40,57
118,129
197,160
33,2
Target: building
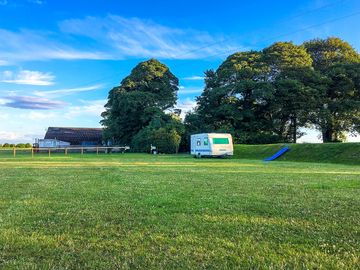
75,136
50,143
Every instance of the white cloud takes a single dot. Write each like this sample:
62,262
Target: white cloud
134,37
185,106
190,90
3,63
28,77
69,91
26,45
36,116
92,108
194,78
111,37
38,2
3,101
6,136
4,116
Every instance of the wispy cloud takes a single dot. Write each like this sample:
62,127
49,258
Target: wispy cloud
26,45
3,63
92,108
190,90
65,92
194,78
134,37
32,103
38,2
28,77
111,37
185,106
36,116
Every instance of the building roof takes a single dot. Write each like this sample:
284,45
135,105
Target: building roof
74,135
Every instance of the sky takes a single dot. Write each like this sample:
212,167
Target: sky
59,59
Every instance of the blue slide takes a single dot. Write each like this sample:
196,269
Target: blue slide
278,154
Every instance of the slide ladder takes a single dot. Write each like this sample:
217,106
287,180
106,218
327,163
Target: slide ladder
278,154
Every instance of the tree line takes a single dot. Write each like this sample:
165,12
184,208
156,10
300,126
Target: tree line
19,145
264,96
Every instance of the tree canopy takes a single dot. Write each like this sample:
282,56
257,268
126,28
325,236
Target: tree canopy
264,96
269,95
139,103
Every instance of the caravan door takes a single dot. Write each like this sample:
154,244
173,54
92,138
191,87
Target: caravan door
200,145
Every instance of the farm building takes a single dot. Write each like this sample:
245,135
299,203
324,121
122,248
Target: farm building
50,143
75,136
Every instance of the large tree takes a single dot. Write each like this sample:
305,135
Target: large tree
257,96
290,71
235,99
338,108
142,96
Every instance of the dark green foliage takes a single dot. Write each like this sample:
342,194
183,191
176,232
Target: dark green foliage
247,93
163,133
267,96
328,52
338,108
135,110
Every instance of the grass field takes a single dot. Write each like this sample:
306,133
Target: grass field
167,211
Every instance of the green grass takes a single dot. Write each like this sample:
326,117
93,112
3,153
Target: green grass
163,212
343,153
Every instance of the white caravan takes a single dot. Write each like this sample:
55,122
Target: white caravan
212,145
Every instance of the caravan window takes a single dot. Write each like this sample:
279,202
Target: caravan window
206,141
198,142
221,140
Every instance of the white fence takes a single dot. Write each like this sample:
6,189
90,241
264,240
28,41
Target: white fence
6,152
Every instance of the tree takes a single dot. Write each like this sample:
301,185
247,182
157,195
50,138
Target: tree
146,93
337,110
247,94
236,98
340,108
296,99
328,52
284,56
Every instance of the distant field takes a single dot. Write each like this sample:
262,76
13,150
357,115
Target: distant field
166,211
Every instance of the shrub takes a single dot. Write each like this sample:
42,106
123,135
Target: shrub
166,141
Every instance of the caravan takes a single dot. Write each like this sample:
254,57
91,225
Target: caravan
211,145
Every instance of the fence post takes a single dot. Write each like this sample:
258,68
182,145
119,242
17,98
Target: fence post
32,152
14,150
65,151
97,150
49,152
82,150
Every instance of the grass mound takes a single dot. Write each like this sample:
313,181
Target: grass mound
342,153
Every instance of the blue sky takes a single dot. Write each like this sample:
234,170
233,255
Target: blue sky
59,59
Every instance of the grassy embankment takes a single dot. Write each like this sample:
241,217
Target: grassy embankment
342,153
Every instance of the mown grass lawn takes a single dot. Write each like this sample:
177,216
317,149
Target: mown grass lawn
165,212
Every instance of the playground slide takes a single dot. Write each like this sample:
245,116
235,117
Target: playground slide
278,154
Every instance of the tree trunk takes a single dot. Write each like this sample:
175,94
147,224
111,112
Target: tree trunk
294,128
329,135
